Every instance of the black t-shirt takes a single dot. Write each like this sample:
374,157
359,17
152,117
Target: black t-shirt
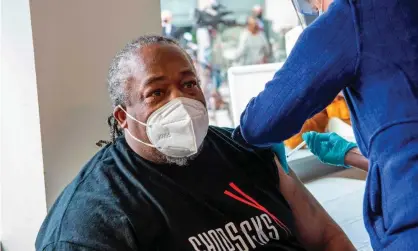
228,198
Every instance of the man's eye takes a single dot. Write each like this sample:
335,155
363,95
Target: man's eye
157,93
190,84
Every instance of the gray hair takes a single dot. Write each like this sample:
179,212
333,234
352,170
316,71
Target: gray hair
125,64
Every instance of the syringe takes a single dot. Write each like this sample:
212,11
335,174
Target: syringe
296,149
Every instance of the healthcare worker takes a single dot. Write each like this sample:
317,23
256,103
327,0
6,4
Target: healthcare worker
369,49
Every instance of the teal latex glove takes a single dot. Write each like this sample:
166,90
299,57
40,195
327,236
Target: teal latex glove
280,152
330,148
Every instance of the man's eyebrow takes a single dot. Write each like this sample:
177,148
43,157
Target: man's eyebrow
155,78
187,72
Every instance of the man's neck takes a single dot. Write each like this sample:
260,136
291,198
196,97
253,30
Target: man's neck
149,153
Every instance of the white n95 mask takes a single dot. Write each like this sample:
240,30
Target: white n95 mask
177,129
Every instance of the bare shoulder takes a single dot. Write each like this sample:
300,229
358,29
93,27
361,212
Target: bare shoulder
315,228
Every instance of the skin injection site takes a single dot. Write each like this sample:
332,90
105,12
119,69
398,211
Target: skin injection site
209,125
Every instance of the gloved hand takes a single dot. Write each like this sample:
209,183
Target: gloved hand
330,148
280,152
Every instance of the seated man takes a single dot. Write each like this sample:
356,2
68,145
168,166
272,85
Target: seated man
174,183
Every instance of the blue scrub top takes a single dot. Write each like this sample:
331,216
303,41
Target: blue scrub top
369,49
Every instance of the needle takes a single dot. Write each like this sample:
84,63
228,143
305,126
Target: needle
296,149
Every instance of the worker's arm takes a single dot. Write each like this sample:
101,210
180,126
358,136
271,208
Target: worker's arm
355,159
316,230
322,63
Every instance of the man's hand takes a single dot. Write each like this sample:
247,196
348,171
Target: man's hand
330,148
315,228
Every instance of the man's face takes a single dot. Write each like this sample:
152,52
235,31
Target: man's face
252,24
164,73
166,17
257,11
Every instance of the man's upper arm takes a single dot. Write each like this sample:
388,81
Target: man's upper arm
315,228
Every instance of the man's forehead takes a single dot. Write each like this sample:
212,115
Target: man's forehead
162,56
164,61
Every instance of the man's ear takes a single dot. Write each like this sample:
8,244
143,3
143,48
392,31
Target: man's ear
120,116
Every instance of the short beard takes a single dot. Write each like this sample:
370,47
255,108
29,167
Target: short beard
182,161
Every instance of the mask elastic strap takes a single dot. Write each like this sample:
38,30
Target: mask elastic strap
140,141
131,117
130,134
195,143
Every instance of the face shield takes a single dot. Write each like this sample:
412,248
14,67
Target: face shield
307,10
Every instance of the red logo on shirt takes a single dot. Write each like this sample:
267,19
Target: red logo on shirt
253,203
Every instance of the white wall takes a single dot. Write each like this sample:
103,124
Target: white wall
281,12
23,204
74,42
246,82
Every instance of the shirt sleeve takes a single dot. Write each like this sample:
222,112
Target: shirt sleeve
97,229
322,63
277,149
68,246
93,218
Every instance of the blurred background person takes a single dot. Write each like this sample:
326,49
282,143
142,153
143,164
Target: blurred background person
210,32
263,24
169,29
258,14
253,47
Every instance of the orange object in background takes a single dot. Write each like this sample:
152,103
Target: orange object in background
339,109
318,123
